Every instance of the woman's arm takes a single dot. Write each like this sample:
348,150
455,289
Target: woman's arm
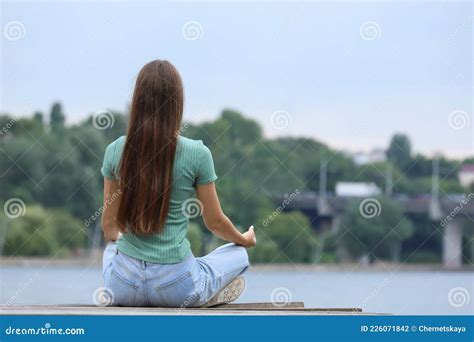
109,213
217,222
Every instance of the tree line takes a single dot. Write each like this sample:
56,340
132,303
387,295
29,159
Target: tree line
54,169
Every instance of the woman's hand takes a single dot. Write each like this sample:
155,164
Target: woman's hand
250,238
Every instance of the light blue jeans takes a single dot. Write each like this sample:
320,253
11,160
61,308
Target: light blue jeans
190,283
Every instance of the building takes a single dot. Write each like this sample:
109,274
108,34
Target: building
466,175
374,156
357,189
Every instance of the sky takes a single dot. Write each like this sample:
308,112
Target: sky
349,74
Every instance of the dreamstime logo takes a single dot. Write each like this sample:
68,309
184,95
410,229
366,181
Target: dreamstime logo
458,296
47,329
182,129
14,208
281,119
14,30
192,299
19,292
370,207
103,119
109,199
376,290
192,207
192,30
280,297
461,28
370,30
103,296
457,209
7,126
458,119
288,198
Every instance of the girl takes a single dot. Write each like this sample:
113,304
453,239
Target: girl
150,178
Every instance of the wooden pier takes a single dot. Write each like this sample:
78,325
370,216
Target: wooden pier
294,308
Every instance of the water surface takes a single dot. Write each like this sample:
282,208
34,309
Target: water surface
403,293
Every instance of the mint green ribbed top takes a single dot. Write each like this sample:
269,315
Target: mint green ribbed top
193,165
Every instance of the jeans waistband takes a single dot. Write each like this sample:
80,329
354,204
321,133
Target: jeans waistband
146,264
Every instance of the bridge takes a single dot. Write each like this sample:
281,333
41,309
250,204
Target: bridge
449,213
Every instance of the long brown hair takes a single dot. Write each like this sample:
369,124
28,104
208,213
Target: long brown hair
148,156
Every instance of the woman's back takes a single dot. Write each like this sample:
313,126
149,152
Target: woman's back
150,179
193,165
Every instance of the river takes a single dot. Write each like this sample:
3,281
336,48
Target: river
400,293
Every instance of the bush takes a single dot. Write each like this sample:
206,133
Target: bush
288,237
328,258
68,231
265,251
40,232
425,257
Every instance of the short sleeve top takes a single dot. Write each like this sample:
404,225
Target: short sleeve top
193,166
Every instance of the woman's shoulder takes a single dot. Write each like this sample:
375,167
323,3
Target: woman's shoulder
198,156
183,143
119,142
191,144
116,145
115,148
112,157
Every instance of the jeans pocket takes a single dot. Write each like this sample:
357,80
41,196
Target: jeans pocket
124,292
180,292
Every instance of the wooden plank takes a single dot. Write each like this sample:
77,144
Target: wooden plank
233,306
98,311
259,306
296,308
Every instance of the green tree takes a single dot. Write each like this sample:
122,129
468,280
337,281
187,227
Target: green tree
21,166
374,227
38,117
399,151
56,117
242,203
292,234
59,169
